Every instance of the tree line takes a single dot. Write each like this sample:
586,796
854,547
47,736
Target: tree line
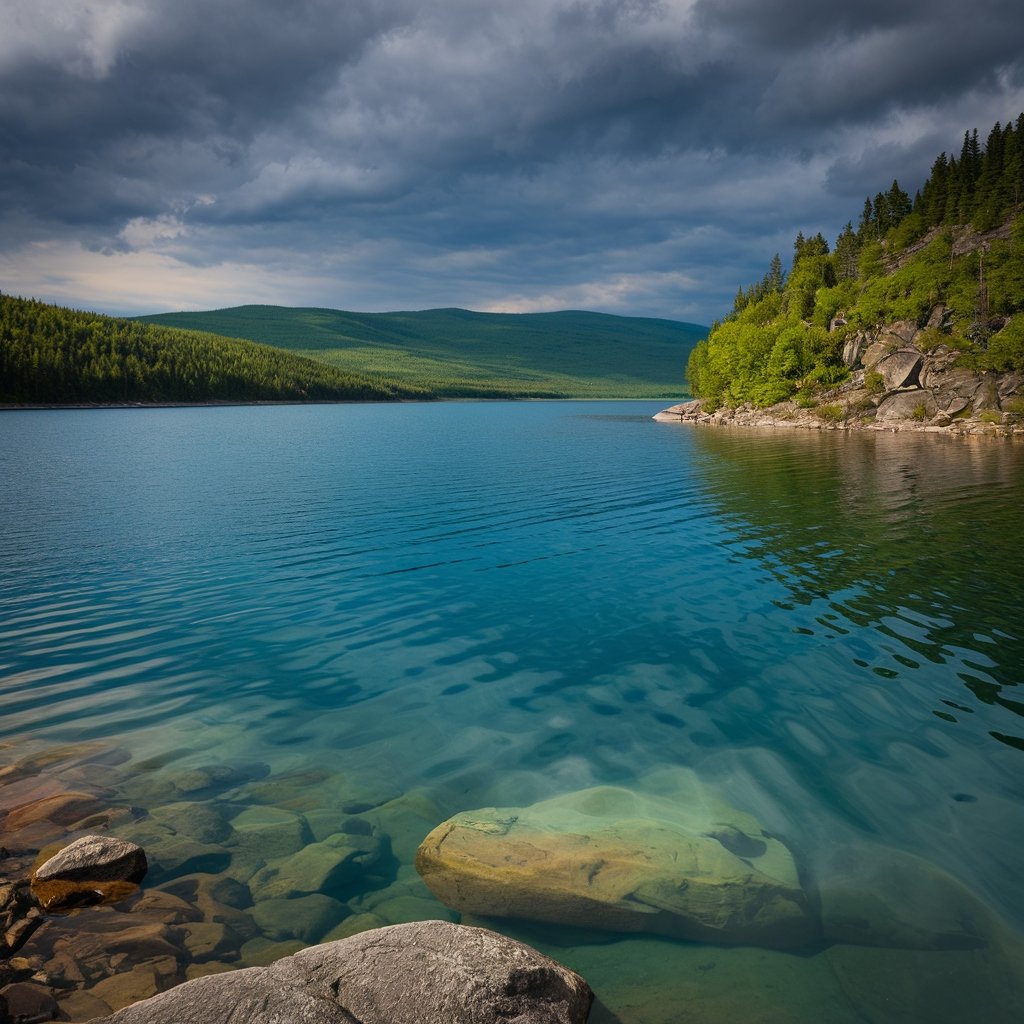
53,355
785,333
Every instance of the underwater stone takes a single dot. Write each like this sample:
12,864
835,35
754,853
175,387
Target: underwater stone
318,867
876,896
92,866
687,866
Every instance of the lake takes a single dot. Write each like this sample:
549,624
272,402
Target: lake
388,614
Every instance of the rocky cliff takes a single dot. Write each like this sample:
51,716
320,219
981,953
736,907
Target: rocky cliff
903,377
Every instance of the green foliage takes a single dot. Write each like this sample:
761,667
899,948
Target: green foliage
1003,352
53,355
920,412
456,353
830,413
874,382
905,258
991,416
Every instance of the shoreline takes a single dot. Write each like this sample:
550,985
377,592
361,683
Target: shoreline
57,406
790,416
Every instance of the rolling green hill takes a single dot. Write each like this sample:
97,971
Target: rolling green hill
55,356
458,353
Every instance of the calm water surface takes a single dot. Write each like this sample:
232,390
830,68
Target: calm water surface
431,608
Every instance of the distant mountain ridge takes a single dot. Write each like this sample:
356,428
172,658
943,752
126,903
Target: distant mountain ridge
454,352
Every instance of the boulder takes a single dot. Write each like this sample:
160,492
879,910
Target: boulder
900,331
852,349
430,972
875,896
906,405
687,866
26,1002
318,867
900,369
91,869
306,918
272,832
873,354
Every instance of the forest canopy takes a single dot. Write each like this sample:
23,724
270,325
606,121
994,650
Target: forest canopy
958,243
49,354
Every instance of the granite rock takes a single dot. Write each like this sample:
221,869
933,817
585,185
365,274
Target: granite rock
426,973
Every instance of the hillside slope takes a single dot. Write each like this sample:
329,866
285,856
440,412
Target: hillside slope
460,353
941,273
54,356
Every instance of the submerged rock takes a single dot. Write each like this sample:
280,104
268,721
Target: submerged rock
431,972
89,869
686,865
875,896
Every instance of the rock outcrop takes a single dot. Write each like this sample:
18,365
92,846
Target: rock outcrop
900,380
430,972
685,865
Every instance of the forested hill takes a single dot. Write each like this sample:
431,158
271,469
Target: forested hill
950,260
51,355
460,353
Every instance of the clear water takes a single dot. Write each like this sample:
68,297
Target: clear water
469,605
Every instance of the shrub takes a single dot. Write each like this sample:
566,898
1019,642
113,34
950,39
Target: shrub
991,416
874,382
920,411
830,413
930,338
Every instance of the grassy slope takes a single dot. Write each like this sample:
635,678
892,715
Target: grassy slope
455,352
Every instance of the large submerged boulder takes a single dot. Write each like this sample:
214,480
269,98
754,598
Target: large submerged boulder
683,864
430,972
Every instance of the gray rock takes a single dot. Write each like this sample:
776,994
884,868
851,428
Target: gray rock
873,354
430,972
852,349
900,369
903,330
95,859
907,405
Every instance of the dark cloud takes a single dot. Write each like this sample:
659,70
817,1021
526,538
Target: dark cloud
648,154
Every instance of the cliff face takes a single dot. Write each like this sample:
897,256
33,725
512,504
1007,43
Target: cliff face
900,380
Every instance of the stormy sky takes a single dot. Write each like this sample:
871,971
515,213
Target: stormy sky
643,157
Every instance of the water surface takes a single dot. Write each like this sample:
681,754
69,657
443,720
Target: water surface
432,608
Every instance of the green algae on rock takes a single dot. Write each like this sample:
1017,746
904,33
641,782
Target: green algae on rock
687,866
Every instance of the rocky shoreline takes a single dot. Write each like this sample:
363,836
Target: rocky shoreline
902,378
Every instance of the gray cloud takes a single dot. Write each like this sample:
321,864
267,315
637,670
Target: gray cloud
390,153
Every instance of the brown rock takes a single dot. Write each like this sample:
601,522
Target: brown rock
25,1003
124,989
211,941
61,809
91,869
82,1006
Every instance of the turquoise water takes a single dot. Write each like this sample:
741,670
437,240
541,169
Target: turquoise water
433,608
